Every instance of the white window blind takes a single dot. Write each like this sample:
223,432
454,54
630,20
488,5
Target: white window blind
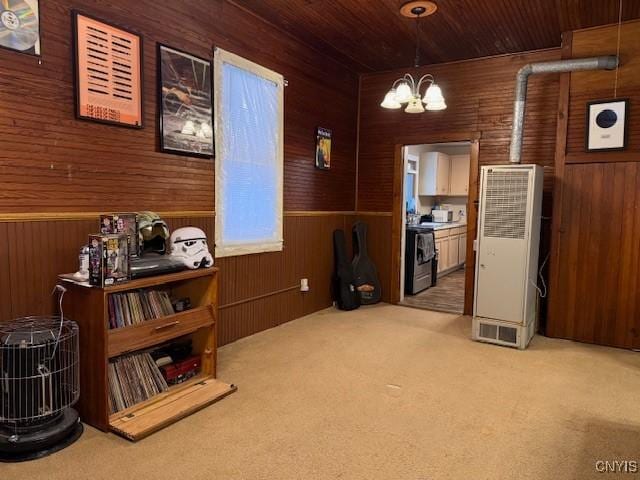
249,104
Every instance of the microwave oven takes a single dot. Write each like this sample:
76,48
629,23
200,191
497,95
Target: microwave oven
442,216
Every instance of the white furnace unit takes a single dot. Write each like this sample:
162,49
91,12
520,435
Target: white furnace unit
505,303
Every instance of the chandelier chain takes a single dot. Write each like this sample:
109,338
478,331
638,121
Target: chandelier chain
417,59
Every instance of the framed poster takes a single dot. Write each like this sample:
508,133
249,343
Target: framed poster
20,26
186,103
108,72
323,148
607,125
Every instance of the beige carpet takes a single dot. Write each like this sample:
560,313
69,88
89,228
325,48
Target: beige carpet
385,393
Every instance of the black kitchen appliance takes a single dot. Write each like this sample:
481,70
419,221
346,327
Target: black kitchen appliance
420,259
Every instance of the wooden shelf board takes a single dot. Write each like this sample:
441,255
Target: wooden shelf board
178,402
174,389
153,332
160,280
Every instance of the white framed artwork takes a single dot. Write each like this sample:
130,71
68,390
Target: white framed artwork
607,125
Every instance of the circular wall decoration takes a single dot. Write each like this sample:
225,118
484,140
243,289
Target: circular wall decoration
606,118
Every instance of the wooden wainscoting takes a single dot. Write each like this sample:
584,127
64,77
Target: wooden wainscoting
262,291
34,251
256,291
596,297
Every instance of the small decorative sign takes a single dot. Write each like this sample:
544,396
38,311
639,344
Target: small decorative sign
323,148
108,73
607,125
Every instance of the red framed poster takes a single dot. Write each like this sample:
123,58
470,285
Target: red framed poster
108,73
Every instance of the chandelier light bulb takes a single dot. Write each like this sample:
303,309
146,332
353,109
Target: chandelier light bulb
403,92
390,100
433,94
415,105
433,98
434,106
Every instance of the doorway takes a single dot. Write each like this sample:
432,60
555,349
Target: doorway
436,206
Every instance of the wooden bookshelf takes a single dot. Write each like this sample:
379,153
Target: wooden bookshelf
89,307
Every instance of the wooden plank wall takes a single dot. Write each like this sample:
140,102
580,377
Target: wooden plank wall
479,96
52,162
595,277
263,291
54,169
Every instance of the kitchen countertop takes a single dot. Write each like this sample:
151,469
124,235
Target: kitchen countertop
443,226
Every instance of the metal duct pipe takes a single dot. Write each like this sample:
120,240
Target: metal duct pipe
607,62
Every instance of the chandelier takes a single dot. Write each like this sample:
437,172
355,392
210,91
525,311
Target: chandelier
406,89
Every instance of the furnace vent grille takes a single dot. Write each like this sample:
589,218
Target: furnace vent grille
505,204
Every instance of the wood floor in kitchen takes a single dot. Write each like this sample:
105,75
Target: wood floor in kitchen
446,296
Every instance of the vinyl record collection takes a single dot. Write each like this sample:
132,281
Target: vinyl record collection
133,379
133,308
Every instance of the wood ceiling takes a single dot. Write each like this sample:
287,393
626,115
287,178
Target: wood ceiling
371,35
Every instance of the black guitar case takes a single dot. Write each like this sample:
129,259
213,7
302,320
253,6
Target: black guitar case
343,288
366,274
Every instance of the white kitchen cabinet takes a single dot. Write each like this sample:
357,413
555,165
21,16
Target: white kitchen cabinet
459,174
433,174
451,244
454,249
462,249
442,246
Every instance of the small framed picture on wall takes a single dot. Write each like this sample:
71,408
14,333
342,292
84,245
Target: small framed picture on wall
323,148
607,125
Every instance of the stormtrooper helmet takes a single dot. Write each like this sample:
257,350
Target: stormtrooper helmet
189,245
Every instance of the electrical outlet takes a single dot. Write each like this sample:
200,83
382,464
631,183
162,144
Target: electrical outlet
304,284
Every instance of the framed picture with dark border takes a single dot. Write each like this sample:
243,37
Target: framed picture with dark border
323,148
108,72
185,98
20,26
606,125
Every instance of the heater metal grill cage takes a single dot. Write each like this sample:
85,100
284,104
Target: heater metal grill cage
39,368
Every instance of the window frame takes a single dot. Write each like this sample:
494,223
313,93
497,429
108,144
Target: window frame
222,57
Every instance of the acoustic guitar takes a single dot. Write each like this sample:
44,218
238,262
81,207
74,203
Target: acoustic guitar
366,274
343,286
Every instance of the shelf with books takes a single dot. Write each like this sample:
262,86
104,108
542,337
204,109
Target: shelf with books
100,347
138,306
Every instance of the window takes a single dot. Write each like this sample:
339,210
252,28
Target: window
249,156
409,192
